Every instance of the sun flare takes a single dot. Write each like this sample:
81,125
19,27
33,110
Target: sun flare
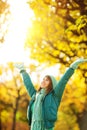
13,47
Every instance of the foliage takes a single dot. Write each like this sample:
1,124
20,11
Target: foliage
4,19
13,97
49,36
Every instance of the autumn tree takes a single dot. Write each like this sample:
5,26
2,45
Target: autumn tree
13,98
49,32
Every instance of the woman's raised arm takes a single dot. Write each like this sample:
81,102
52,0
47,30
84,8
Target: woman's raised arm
59,89
26,79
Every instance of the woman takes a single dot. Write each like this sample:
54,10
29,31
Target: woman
44,103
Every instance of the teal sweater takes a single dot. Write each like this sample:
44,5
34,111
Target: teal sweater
51,101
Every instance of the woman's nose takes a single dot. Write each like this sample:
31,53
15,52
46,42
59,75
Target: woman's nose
43,81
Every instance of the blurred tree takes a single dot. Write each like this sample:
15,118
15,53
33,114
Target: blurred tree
13,98
74,101
49,35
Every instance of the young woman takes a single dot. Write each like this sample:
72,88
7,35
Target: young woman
44,103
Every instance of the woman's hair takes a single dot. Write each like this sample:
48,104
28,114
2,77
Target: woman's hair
50,86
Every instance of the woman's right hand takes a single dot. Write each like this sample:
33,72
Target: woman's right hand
20,66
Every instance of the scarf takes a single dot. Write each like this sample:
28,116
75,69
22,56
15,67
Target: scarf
37,118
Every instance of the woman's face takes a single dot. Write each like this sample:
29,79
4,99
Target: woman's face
45,82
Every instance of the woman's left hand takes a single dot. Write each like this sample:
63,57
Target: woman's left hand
75,64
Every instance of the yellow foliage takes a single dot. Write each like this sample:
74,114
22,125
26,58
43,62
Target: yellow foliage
4,116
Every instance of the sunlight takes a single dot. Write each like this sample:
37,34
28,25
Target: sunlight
21,19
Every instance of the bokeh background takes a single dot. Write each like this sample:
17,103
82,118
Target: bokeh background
47,36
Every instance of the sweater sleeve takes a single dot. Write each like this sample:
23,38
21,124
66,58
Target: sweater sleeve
59,89
28,83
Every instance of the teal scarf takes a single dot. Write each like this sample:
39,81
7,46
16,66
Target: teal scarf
37,119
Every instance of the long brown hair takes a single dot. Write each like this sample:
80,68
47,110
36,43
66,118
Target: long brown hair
50,86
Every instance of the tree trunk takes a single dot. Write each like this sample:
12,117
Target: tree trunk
15,111
0,122
83,121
